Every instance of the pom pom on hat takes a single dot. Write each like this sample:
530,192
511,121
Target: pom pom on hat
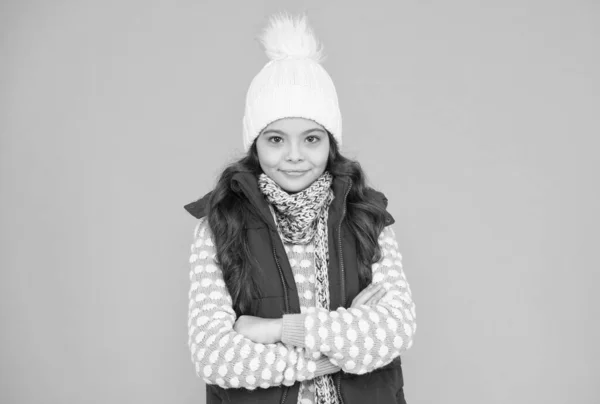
287,37
293,83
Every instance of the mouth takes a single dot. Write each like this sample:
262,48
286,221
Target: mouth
294,173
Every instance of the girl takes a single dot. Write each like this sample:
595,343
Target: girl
297,289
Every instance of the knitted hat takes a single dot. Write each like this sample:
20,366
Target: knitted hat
293,83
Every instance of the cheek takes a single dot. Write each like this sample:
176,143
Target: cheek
267,159
323,157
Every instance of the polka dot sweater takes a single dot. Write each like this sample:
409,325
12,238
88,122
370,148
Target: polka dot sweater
314,342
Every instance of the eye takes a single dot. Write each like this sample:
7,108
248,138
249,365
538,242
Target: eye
314,137
274,137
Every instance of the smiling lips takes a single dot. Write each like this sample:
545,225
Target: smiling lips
295,173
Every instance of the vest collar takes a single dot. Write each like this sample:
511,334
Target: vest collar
247,183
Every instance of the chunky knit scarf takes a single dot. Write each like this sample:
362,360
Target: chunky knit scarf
302,218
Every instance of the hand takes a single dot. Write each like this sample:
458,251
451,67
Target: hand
371,295
258,329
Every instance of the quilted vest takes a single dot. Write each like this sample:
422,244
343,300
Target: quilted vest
278,294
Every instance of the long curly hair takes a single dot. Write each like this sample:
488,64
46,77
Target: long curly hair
228,211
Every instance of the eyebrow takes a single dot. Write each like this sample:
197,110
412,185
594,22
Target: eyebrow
280,132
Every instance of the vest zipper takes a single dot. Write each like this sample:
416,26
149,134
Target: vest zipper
285,295
342,283
287,304
343,287
284,395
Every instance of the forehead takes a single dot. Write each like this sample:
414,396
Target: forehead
293,125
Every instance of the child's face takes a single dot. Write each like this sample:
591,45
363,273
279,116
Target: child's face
290,144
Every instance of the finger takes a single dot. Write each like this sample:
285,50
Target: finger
368,296
367,293
373,301
373,288
377,296
359,300
363,294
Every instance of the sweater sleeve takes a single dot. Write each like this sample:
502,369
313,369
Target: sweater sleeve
220,354
364,338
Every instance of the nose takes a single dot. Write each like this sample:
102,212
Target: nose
294,152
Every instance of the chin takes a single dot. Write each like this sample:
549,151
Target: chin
292,189
293,186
